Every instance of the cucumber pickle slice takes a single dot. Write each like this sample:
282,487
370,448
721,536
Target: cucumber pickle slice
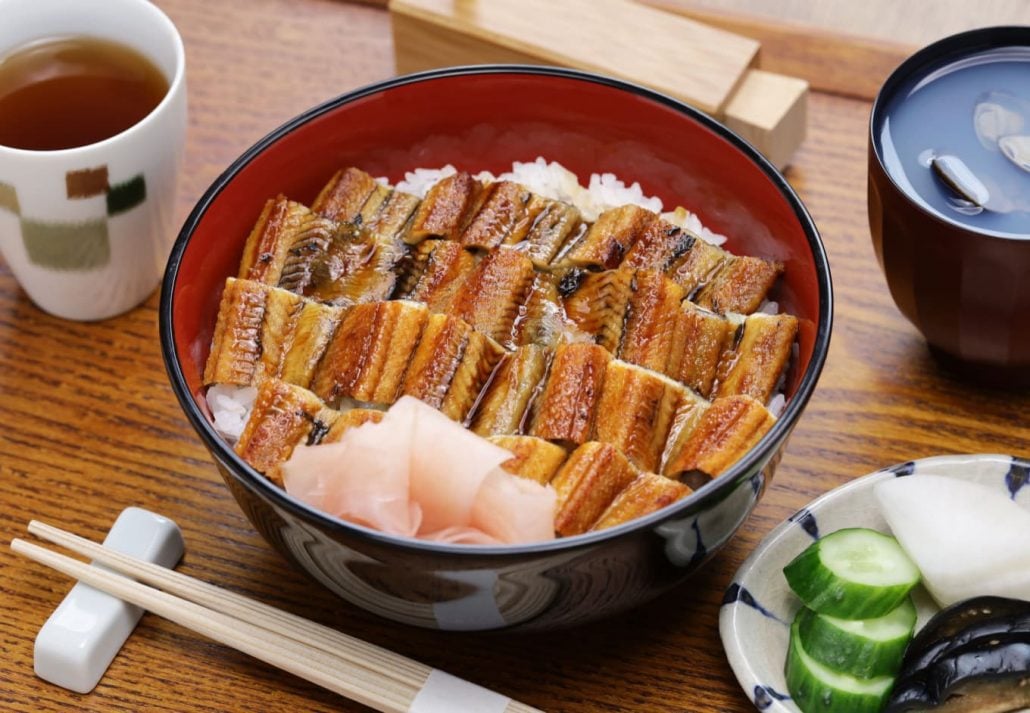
864,648
818,689
854,573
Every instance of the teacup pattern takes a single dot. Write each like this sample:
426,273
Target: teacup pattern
82,244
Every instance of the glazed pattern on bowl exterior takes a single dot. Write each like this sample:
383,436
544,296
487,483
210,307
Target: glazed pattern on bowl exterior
485,118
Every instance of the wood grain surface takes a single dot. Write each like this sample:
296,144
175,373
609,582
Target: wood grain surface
90,426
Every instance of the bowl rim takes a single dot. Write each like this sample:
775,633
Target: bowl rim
936,56
249,478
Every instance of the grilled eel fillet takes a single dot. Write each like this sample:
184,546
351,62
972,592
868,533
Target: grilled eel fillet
374,353
343,250
567,405
642,317
635,412
264,332
725,431
532,458
236,342
633,314
759,356
450,365
433,272
587,484
285,416
356,266
515,382
647,493
552,234
368,354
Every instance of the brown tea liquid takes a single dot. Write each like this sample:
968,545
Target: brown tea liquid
72,91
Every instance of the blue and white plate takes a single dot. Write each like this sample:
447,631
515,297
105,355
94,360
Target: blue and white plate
758,607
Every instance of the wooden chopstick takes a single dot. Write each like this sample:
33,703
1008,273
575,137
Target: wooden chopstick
360,653
369,674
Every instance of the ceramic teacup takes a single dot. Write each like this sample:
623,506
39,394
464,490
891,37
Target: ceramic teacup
87,230
949,201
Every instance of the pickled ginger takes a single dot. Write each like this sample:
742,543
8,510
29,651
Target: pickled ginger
419,474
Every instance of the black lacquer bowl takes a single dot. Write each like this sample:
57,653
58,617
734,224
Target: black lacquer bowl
484,118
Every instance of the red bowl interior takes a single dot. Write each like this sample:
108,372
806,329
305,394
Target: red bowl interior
485,120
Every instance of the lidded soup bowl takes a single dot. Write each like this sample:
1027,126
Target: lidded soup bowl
478,118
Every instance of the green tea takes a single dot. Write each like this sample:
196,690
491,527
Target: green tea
65,92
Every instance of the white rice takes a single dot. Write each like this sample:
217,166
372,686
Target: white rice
230,407
777,403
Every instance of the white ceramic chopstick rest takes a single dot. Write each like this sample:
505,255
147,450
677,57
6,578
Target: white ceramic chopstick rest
83,635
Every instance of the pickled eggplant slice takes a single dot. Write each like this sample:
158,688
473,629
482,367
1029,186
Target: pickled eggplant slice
647,493
532,458
635,412
492,296
597,305
283,417
505,401
447,209
652,317
726,431
310,336
587,484
961,623
433,272
283,242
741,285
607,241
566,409
369,353
342,198
505,207
236,343
557,225
760,355
357,266
989,674
700,338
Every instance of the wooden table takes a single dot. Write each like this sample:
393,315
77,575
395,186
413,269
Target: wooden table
90,426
